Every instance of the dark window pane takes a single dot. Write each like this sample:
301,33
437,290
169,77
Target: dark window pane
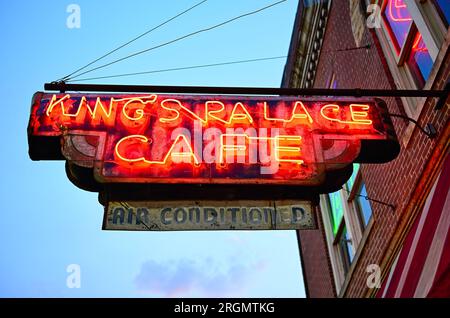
337,210
348,246
398,20
345,249
420,61
444,9
364,205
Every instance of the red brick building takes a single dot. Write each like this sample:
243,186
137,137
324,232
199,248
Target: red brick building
397,243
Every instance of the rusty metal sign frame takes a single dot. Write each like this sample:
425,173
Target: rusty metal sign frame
209,215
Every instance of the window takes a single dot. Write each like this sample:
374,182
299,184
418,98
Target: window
345,249
407,41
340,236
420,61
347,215
399,21
412,35
357,194
363,205
338,205
443,7
336,209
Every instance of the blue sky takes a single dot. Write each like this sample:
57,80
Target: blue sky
47,223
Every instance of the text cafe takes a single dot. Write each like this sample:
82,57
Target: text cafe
207,138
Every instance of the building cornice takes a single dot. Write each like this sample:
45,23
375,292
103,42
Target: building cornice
306,43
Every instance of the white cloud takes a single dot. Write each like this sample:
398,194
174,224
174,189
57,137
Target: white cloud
197,278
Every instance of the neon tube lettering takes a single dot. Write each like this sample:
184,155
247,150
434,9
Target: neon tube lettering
289,149
294,115
105,114
359,115
278,148
136,100
176,101
143,139
355,114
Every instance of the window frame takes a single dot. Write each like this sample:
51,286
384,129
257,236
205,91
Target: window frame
356,230
401,58
441,14
428,21
354,197
339,242
336,259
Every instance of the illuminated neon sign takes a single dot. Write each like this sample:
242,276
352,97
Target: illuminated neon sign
155,138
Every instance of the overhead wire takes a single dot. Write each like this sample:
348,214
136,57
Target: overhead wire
178,39
367,46
134,39
179,68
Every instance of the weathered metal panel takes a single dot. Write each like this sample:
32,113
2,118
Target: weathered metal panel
206,139
209,215
137,147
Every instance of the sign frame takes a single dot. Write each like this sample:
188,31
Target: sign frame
371,151
209,215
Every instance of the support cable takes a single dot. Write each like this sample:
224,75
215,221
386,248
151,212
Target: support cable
179,68
132,40
371,199
207,65
178,39
429,129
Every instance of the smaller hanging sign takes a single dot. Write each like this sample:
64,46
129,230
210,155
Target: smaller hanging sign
209,215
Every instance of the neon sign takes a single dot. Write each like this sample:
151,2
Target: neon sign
155,138
400,9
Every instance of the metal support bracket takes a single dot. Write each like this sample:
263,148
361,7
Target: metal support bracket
429,129
372,200
358,92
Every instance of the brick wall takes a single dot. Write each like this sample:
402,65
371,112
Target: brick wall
316,264
393,182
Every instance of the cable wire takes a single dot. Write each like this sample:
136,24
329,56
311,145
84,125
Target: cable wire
367,46
179,68
134,39
211,65
179,38
369,199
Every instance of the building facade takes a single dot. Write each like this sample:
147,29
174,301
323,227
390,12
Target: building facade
386,233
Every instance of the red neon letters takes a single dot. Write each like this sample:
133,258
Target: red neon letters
154,136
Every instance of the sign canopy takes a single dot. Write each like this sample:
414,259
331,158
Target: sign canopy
132,140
